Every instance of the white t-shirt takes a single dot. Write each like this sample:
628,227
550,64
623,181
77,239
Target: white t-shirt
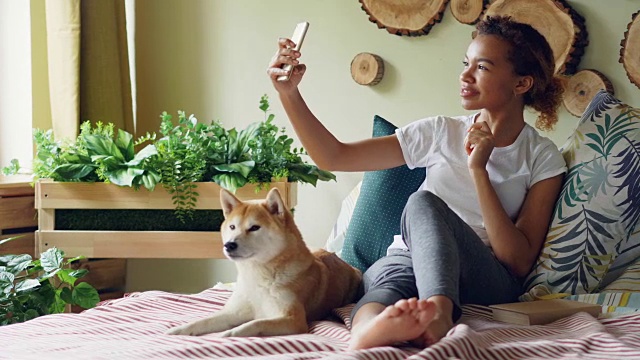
437,144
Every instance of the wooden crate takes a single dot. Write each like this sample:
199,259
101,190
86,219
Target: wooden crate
52,195
17,215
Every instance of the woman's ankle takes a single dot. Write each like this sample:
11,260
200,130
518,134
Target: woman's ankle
444,305
366,313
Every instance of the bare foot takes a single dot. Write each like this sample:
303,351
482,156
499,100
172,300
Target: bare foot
403,321
436,329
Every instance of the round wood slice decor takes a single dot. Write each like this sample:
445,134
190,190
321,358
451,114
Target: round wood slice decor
406,17
467,11
563,28
630,51
580,88
367,69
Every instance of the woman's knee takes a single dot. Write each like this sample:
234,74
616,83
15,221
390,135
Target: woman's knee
425,213
423,200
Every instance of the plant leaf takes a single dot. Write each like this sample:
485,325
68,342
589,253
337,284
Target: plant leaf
27,284
124,142
49,275
66,295
325,175
74,171
150,179
30,314
143,154
58,304
100,145
230,181
19,263
5,259
69,261
9,239
65,276
13,168
244,168
85,296
123,176
6,281
79,273
51,259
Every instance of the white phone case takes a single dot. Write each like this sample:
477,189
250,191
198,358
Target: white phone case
298,38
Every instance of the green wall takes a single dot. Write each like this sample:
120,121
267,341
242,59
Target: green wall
209,57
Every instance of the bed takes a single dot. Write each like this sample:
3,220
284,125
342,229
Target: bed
133,328
576,258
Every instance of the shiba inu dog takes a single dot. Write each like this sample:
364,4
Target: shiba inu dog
281,284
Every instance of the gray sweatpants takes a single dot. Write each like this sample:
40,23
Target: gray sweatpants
445,257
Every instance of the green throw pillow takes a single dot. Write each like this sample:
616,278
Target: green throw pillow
594,232
376,217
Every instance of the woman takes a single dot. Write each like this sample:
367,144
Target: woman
474,230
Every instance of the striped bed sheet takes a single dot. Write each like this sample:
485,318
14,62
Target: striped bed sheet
133,328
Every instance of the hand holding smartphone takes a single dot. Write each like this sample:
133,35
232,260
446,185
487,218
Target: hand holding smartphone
297,37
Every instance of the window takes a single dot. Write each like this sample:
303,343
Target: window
16,110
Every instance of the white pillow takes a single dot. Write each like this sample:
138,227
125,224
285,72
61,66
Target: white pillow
339,230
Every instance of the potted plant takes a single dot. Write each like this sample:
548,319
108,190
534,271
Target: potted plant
183,169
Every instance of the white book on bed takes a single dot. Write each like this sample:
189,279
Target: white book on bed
541,311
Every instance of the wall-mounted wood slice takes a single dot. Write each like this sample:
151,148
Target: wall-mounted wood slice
467,11
367,69
580,89
562,26
405,17
630,51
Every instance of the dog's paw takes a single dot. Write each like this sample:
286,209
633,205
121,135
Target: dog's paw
228,333
182,330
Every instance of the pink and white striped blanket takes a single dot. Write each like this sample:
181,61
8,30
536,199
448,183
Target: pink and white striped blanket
133,328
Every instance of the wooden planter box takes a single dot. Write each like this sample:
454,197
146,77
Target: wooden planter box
18,218
51,196
17,215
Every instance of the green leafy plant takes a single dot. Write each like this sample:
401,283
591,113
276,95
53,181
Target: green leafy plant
275,158
12,168
187,152
117,162
182,158
237,162
97,154
30,288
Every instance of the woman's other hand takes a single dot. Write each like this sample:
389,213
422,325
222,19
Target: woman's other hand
286,55
479,144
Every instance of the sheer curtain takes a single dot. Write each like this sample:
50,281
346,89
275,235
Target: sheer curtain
88,64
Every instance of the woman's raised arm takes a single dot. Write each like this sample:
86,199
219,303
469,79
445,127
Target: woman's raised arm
326,151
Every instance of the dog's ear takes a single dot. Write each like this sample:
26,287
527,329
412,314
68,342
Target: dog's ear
228,201
275,205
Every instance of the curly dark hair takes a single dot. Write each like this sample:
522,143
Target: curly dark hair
531,55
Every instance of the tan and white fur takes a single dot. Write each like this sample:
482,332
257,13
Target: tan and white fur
281,284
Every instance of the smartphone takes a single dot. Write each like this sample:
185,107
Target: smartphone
298,38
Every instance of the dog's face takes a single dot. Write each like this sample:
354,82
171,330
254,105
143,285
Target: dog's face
253,231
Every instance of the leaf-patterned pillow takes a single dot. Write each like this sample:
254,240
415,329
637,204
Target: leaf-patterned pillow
594,234
628,281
